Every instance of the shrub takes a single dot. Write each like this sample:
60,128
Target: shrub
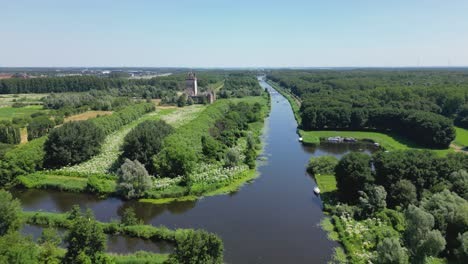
197,247
21,160
134,180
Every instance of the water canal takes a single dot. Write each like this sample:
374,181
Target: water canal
273,219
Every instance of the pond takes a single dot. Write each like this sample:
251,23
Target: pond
273,219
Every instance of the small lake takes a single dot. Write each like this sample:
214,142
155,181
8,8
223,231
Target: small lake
274,219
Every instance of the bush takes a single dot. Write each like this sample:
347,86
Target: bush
134,180
197,247
23,159
322,165
72,143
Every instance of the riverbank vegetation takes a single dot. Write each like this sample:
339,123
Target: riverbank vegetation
85,238
418,105
411,208
206,150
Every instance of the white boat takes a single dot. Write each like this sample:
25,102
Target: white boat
300,139
316,190
335,139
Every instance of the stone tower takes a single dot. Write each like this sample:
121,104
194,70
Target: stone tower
191,87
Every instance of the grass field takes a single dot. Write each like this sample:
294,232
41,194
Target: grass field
326,183
8,113
9,99
462,137
388,141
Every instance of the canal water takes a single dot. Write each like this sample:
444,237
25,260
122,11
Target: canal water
274,219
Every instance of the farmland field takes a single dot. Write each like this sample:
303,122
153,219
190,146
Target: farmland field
8,113
87,115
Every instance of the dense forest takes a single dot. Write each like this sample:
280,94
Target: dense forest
173,82
427,101
399,206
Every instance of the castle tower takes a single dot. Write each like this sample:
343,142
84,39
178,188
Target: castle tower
191,87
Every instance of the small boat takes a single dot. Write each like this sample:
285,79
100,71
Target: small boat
316,190
300,139
335,139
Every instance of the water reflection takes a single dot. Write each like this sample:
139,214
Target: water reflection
115,243
273,219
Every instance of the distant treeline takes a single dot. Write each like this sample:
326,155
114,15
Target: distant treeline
173,82
411,102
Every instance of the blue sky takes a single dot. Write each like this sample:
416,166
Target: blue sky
234,33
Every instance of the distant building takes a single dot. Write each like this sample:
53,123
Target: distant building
191,86
5,76
191,90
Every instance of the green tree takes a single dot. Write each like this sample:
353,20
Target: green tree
212,148
174,160
193,247
129,217
72,143
389,251
461,252
134,180
145,141
232,158
182,101
10,213
353,172
190,101
39,126
49,241
420,239
86,240
459,180
15,248
403,193
372,199
450,214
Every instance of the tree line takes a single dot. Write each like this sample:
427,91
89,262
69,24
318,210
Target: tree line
425,128
443,92
85,83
